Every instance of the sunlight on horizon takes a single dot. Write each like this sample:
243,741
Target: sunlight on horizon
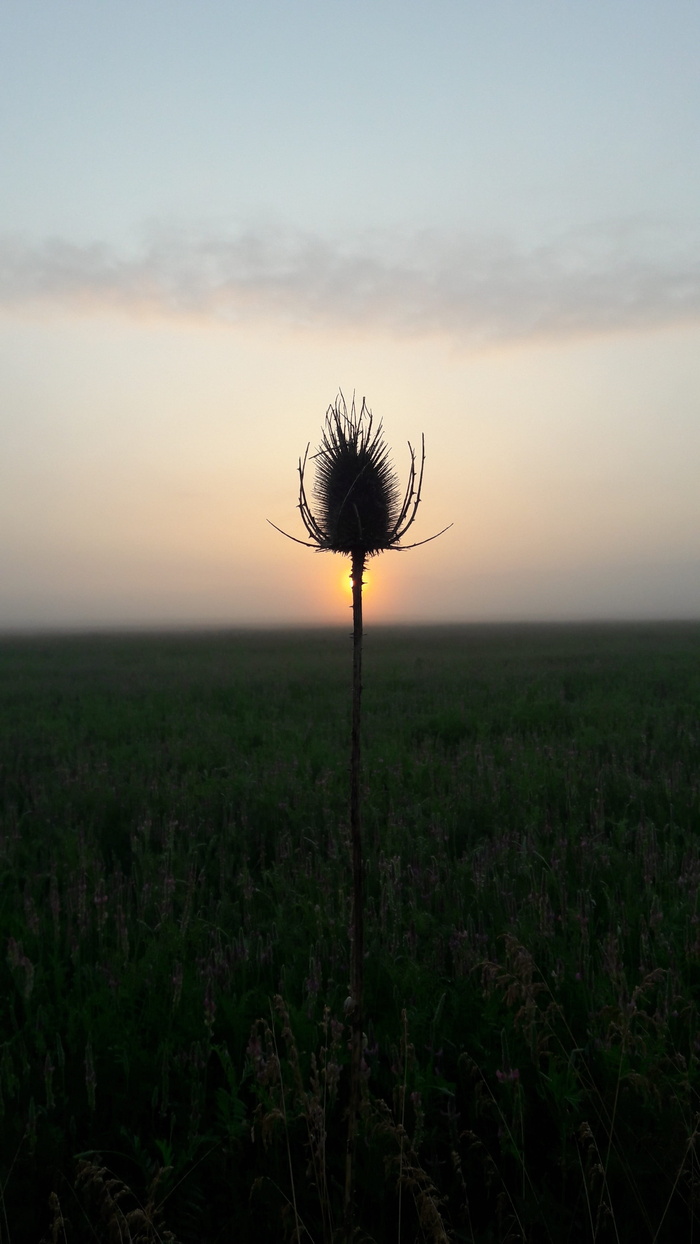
522,285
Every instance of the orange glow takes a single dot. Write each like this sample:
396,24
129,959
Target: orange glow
348,582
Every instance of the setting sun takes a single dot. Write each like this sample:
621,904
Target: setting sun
347,582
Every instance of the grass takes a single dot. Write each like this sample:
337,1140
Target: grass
174,908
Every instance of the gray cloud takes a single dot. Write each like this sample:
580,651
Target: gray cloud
611,278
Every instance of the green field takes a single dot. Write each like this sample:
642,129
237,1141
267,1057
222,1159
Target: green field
174,913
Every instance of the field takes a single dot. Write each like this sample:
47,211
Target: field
174,915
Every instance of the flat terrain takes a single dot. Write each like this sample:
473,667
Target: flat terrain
174,857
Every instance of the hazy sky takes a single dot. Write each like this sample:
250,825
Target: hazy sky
484,216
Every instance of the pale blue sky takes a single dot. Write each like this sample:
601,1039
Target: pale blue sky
483,216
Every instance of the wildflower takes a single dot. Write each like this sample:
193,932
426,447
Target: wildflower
359,511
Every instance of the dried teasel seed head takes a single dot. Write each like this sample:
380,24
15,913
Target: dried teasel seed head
356,488
359,510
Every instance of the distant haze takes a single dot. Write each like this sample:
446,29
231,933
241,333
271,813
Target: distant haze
482,217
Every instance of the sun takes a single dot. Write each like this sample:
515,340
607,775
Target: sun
347,582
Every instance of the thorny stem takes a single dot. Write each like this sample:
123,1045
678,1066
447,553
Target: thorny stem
358,566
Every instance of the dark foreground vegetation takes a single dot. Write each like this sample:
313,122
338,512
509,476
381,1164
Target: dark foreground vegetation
174,915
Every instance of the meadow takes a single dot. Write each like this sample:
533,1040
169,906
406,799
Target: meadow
174,920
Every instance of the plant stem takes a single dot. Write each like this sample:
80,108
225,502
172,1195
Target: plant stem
358,566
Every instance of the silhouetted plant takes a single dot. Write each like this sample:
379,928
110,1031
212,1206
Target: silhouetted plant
359,512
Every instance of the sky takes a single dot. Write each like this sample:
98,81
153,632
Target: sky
216,216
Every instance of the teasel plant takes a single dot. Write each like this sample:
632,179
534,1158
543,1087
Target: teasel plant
358,512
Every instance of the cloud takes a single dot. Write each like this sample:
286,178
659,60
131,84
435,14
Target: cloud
475,291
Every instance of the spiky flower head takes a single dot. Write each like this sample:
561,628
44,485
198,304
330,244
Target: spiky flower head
356,489
358,503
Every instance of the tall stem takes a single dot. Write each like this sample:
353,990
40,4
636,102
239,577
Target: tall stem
358,566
